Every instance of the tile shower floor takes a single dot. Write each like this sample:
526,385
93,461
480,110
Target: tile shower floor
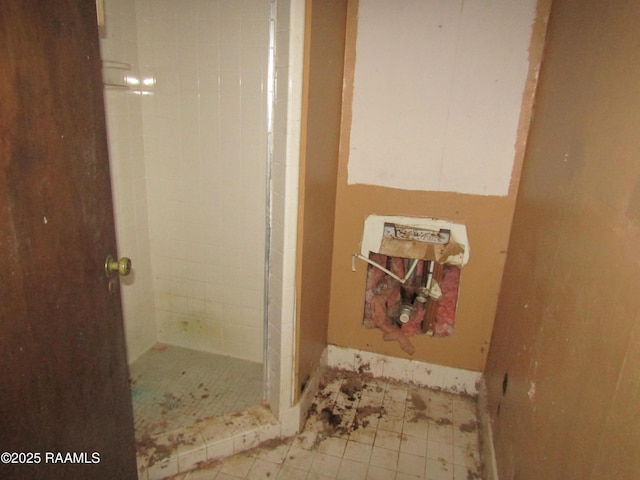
173,388
365,428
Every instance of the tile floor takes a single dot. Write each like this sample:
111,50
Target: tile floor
173,387
365,428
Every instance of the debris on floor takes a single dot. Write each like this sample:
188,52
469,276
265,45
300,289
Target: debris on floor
360,427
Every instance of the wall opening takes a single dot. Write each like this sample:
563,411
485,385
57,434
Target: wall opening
413,276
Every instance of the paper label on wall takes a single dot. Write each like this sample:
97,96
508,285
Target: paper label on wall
437,93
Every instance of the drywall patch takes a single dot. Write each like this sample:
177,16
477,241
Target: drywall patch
437,93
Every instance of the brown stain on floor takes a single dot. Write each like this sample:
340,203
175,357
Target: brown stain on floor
469,427
156,452
417,402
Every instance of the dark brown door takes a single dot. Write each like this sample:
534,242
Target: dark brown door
64,396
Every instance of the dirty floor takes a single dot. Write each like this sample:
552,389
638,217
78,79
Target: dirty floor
173,387
365,428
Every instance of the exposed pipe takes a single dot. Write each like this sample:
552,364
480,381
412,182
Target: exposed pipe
388,272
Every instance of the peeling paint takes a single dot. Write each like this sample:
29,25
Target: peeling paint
532,391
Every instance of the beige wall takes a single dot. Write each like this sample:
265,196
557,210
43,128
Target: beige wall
488,221
322,102
563,368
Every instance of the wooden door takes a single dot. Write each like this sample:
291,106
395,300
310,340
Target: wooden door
64,395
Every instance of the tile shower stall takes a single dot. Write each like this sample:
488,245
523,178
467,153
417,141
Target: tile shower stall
196,132
187,108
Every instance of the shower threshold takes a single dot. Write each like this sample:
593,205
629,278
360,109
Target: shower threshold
191,408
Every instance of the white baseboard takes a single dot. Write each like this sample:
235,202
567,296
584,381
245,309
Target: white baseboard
454,380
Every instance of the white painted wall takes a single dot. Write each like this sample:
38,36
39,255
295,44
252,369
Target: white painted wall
437,93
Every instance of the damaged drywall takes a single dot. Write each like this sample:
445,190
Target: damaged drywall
413,276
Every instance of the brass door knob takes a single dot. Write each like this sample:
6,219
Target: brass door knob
122,266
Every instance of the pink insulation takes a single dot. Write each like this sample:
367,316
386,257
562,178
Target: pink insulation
389,329
446,310
396,265
382,301
374,278
385,297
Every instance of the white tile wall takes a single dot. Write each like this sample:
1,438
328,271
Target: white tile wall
206,146
126,153
204,299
